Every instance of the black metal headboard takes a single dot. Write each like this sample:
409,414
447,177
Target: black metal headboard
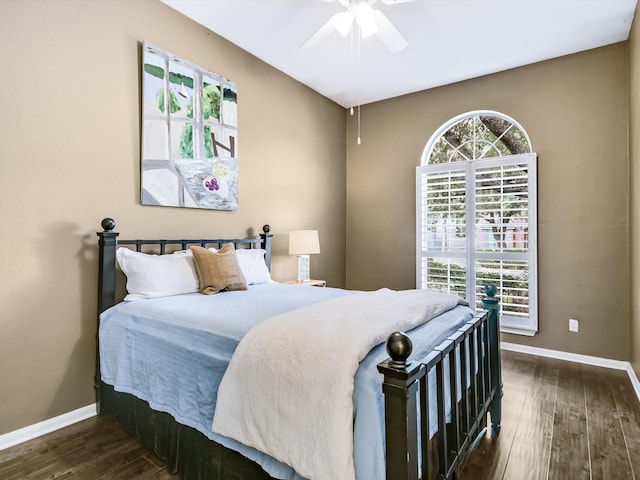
108,242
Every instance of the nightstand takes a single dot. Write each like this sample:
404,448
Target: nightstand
313,283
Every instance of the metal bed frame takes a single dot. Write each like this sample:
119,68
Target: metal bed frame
467,364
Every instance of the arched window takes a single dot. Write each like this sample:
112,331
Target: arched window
476,215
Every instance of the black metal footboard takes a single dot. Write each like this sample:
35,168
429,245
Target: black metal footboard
468,382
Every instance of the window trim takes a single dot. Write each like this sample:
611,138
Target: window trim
508,324
426,153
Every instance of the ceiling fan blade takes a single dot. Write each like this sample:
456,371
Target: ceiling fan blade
345,3
388,34
321,34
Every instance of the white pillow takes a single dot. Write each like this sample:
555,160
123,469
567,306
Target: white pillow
252,264
152,276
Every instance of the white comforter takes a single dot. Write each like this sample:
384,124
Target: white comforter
288,388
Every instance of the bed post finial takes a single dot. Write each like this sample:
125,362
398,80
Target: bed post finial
107,241
490,290
266,244
399,347
108,224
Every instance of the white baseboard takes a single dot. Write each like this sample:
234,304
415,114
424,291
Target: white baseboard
576,357
32,431
634,380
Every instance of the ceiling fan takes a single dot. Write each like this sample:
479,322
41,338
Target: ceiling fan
361,15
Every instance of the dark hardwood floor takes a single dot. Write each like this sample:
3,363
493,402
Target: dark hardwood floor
96,448
561,421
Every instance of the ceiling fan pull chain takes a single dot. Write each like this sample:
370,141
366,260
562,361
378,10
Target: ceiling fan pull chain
359,45
359,141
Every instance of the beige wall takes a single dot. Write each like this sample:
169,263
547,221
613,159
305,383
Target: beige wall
69,153
634,147
575,111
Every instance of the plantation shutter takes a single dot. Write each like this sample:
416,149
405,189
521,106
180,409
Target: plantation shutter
505,236
443,244
476,225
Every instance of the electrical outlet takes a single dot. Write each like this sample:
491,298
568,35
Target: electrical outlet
574,325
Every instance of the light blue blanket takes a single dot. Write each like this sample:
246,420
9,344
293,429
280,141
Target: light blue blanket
173,351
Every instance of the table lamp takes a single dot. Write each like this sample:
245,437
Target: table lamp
303,243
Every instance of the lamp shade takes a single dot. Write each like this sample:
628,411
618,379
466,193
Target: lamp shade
303,242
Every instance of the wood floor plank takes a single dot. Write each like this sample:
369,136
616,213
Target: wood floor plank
55,452
98,450
629,411
28,448
529,457
570,431
607,447
161,474
489,459
140,467
128,456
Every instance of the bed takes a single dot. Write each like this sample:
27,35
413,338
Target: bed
419,402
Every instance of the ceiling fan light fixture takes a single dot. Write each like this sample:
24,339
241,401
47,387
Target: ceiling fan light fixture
368,29
342,22
366,19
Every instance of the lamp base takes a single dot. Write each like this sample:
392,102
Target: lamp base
303,268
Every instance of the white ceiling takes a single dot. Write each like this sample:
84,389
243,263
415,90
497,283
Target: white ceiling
449,40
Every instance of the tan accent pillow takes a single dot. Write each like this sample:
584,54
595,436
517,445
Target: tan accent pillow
219,270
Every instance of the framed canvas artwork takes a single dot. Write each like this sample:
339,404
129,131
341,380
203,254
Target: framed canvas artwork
189,134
